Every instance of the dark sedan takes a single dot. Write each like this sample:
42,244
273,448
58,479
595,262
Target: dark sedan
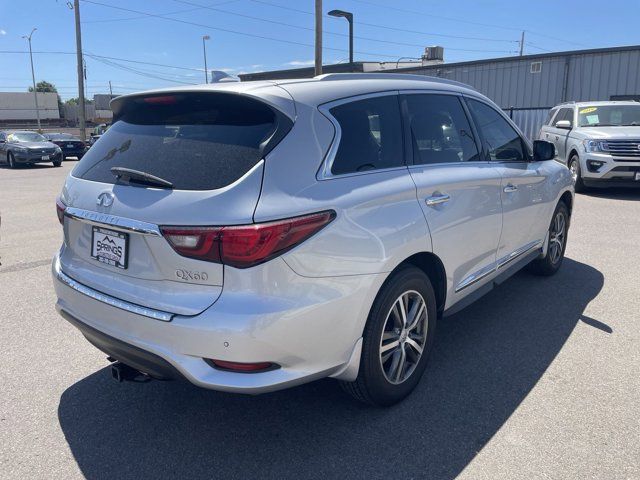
27,148
71,146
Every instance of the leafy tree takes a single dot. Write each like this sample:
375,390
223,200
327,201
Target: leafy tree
45,87
76,101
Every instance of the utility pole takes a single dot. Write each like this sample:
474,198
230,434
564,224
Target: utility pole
33,78
110,89
522,43
83,126
204,51
318,69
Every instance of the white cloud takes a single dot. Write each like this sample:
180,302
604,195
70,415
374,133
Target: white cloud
3,32
299,63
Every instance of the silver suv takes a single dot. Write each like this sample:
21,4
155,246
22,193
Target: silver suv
599,141
253,236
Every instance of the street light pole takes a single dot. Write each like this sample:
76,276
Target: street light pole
80,70
318,56
33,78
204,51
349,17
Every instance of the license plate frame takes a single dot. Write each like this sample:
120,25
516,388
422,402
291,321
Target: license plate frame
105,249
637,177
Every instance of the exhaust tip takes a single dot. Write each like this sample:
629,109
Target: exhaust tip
124,373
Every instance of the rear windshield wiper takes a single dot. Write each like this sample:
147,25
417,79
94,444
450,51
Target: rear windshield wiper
130,175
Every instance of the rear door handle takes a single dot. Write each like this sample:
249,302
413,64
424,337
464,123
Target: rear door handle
437,200
510,189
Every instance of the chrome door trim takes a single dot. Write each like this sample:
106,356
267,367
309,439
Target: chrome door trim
109,300
437,199
476,277
501,263
518,252
119,223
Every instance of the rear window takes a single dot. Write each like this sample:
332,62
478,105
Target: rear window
196,141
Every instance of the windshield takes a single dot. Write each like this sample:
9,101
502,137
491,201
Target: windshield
26,137
609,115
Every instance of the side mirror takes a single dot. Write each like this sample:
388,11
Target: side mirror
564,124
543,150
2,141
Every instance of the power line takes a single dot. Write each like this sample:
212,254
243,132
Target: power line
404,30
276,22
470,22
236,32
144,16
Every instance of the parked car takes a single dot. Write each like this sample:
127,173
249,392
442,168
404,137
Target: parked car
27,148
250,236
599,141
97,132
70,145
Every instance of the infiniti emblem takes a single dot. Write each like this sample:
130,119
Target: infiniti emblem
105,199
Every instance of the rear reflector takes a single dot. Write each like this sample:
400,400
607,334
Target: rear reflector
241,367
60,208
245,245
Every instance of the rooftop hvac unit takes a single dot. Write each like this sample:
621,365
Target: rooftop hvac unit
433,53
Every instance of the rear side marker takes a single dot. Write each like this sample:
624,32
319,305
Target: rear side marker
244,246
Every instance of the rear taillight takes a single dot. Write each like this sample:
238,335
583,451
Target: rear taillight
60,208
245,245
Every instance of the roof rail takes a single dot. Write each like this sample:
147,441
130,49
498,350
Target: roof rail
389,76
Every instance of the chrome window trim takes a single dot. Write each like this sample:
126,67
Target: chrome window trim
109,300
324,172
118,223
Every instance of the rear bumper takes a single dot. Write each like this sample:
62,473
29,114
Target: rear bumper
311,329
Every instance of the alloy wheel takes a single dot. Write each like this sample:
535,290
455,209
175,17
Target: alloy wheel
403,337
574,170
557,235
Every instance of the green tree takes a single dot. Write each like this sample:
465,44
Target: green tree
76,101
44,87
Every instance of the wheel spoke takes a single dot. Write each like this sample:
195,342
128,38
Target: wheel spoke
403,310
402,358
389,346
417,315
411,342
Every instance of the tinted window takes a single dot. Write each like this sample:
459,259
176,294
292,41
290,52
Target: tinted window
502,142
371,135
195,141
564,114
440,130
550,116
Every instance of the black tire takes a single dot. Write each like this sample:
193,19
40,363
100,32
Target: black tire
579,183
372,385
551,263
11,160
57,163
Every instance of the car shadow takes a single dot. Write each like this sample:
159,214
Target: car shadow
618,193
486,360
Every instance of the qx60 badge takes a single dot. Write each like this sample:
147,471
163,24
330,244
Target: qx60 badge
105,199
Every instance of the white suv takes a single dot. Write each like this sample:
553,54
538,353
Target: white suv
253,236
599,141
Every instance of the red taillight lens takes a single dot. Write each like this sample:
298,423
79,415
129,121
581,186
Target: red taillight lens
60,208
241,367
246,245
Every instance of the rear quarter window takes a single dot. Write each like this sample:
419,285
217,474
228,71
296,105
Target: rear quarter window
196,141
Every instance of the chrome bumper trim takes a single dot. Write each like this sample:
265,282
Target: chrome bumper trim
109,300
104,219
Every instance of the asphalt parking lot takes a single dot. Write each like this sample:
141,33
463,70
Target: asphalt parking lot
539,379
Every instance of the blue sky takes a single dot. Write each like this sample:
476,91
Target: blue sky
169,33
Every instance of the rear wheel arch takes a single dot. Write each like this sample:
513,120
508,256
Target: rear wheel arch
567,199
433,267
